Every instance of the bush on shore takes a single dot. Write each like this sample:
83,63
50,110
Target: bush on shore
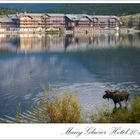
119,115
63,109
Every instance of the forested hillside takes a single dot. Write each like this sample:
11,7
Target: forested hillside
98,9
6,11
102,9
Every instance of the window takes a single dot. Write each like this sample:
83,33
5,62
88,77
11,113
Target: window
112,23
95,21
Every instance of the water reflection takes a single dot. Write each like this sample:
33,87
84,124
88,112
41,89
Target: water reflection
117,109
59,61
56,42
130,40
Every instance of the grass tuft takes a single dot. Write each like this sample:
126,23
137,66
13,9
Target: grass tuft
119,115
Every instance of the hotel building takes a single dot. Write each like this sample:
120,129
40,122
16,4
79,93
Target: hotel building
32,22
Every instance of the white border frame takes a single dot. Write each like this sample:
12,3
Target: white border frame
57,131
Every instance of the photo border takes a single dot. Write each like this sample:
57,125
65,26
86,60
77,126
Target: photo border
54,131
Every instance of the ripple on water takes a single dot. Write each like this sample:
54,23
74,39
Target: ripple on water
89,95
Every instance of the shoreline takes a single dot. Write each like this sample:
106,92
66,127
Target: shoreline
72,32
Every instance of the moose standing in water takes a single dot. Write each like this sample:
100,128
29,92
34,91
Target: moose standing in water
117,96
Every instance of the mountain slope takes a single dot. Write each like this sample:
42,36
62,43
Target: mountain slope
98,9
30,6
111,9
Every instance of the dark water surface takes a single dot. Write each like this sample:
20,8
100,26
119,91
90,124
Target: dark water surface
83,65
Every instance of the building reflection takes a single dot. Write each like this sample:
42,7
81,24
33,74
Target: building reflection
94,41
56,42
131,40
41,42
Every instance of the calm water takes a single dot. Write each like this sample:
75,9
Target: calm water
83,65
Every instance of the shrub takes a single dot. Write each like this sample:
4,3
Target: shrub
134,116
63,109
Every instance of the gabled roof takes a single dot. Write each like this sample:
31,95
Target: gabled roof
15,16
6,20
78,16
35,14
70,16
60,15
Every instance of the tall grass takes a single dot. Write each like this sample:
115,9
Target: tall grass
119,115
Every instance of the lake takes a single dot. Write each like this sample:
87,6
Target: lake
83,65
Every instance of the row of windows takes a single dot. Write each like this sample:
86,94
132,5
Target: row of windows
58,20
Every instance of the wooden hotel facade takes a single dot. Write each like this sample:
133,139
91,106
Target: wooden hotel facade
59,22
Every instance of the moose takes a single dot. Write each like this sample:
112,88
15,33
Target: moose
117,96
